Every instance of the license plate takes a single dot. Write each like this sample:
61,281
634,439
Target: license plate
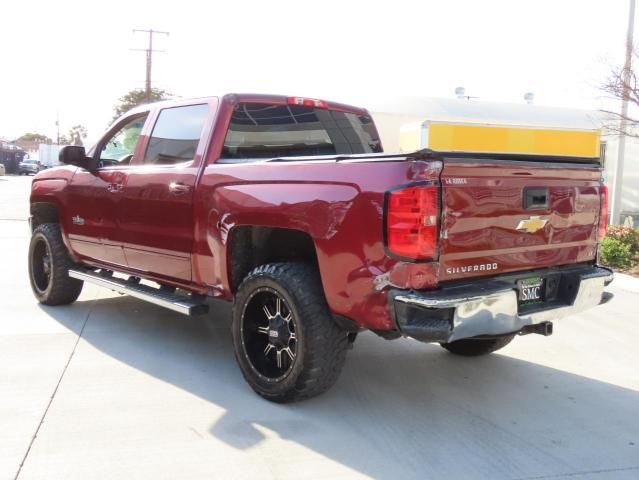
531,290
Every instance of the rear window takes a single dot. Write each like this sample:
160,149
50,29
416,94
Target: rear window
260,130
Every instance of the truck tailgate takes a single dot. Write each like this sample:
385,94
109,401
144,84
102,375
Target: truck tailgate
504,216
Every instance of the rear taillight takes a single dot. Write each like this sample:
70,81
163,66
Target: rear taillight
603,214
307,102
411,222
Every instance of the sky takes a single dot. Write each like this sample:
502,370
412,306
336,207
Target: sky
74,59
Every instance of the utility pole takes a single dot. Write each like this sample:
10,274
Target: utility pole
149,58
627,69
57,126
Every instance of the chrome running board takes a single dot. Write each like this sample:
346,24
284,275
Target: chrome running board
184,304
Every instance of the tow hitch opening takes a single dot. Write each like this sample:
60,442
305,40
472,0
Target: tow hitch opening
543,328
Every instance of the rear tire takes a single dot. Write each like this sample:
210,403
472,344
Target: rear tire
286,342
476,347
49,265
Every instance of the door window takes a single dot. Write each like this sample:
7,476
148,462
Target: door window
176,135
120,148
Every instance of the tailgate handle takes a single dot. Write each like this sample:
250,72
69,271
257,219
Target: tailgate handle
535,198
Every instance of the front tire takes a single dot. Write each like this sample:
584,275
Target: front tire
286,343
475,347
49,265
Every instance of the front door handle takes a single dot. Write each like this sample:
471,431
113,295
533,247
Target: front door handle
178,188
114,187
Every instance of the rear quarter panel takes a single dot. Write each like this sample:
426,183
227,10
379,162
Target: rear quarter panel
338,204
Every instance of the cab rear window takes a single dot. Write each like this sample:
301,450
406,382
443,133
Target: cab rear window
260,130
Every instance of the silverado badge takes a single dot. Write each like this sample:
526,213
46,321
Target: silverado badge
532,224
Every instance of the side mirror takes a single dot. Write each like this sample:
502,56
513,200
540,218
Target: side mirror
74,155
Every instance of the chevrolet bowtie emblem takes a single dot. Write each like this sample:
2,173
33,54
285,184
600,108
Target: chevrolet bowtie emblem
532,224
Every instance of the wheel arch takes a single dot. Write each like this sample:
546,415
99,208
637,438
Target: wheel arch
251,245
47,211
44,212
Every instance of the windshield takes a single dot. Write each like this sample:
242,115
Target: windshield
260,130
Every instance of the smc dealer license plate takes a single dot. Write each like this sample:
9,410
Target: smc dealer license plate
531,290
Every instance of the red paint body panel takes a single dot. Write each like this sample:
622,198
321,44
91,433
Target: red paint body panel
183,240
480,216
156,226
338,204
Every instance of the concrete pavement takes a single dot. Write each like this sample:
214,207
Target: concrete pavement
111,387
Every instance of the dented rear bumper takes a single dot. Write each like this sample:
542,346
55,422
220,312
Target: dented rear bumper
490,307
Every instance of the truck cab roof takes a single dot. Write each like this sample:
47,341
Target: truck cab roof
247,98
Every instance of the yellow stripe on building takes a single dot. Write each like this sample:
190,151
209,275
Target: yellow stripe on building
451,137
468,137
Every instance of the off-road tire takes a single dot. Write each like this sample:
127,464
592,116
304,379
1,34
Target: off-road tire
60,289
321,344
475,347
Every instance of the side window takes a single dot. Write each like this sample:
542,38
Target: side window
119,149
176,135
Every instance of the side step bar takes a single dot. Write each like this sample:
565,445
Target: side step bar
178,303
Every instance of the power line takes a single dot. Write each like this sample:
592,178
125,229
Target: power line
149,58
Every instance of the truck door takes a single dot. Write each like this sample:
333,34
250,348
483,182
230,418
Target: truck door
93,196
155,214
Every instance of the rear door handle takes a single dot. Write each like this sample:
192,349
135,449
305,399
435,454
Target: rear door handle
178,188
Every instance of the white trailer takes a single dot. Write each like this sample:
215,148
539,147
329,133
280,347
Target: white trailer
48,154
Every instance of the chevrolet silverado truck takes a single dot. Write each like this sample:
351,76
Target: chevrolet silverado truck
289,208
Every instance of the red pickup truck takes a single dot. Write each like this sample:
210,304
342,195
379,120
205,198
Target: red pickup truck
289,208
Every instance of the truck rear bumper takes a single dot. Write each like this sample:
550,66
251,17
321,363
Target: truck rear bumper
490,307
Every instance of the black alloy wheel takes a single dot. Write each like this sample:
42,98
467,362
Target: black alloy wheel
286,342
49,264
41,265
269,334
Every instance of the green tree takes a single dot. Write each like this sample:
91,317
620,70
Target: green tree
35,138
76,134
137,97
